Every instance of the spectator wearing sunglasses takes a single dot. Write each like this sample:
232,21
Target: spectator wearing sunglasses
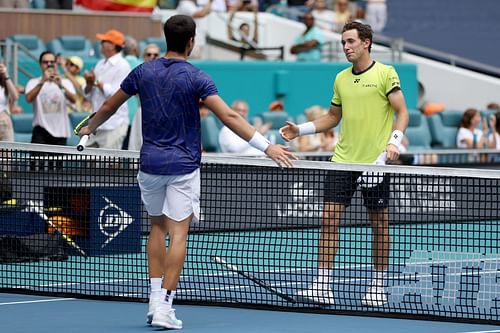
151,52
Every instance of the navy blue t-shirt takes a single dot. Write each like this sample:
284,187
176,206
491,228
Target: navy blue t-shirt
170,90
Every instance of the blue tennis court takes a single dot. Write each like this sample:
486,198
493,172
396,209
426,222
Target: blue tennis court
21,313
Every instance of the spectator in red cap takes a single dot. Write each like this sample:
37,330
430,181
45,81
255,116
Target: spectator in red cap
102,83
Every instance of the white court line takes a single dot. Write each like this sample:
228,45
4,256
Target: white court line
39,301
481,331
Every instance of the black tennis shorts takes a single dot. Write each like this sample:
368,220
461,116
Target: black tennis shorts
341,185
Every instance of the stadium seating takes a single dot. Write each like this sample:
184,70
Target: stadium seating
418,133
70,45
31,42
277,118
23,126
210,135
444,127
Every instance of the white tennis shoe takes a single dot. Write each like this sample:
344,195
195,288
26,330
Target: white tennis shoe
166,320
376,296
318,293
153,304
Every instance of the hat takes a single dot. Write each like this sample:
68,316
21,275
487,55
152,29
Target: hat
113,36
77,61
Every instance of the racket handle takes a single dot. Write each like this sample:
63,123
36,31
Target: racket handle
82,143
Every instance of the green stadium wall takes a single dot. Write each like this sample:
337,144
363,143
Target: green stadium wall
298,85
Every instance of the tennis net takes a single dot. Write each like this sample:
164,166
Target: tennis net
260,233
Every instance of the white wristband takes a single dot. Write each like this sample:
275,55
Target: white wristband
307,128
259,141
396,138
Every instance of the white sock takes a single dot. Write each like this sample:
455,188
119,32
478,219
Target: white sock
325,276
378,278
155,287
167,297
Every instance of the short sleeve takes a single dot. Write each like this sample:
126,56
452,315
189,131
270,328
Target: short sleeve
392,82
68,86
336,95
319,36
31,84
130,84
205,85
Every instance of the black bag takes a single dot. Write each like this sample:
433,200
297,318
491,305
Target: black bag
5,187
32,248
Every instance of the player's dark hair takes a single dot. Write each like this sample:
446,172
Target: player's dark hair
364,31
179,29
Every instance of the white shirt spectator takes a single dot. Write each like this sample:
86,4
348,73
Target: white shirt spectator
110,72
376,14
4,101
324,19
464,134
50,108
217,5
230,142
497,139
188,7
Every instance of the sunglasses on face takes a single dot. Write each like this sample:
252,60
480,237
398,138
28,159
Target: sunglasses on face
152,55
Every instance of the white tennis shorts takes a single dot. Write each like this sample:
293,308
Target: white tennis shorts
177,197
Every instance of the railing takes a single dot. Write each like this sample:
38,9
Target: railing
254,53
399,45
9,52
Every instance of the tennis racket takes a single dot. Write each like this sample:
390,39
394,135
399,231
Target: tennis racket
84,122
253,278
33,208
83,140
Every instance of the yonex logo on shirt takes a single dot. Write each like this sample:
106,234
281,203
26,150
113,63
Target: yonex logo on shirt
356,80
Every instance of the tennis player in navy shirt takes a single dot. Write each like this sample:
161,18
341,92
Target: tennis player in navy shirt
169,178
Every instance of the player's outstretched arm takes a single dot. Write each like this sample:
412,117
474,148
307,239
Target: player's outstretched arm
105,112
278,153
291,131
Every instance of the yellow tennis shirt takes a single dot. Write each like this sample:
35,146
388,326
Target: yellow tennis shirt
367,115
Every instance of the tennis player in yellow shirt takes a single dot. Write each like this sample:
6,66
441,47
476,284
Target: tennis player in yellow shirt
366,96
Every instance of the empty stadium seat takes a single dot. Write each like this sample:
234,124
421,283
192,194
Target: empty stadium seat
418,132
277,119
160,41
210,135
32,43
444,128
23,126
71,45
